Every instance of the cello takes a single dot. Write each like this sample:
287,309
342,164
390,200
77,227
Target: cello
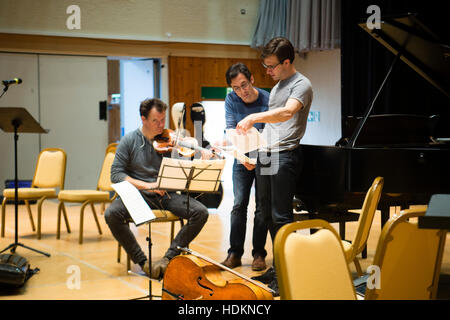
196,277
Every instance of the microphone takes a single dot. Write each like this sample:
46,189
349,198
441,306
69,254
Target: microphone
13,81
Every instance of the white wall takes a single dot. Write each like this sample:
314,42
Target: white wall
323,69
70,90
62,93
206,21
24,66
136,85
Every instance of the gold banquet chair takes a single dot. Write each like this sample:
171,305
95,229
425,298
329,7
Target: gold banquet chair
409,259
49,174
89,197
112,147
312,267
357,245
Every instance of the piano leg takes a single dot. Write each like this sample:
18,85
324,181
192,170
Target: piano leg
385,214
364,252
342,229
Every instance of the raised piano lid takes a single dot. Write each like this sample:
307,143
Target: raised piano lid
419,47
410,41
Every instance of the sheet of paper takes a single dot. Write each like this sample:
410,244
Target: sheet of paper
252,140
139,210
173,174
240,156
231,150
207,175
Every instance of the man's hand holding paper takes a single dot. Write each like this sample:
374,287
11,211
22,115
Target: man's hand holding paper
242,144
245,125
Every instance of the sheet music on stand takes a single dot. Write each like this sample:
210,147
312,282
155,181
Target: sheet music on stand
139,210
191,176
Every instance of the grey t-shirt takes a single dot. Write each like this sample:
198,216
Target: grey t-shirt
286,135
136,158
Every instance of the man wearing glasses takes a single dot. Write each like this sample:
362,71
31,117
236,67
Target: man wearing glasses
279,164
245,99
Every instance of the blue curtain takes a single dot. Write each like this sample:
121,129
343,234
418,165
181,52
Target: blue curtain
308,24
271,21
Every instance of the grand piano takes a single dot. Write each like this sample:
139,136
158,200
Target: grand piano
402,148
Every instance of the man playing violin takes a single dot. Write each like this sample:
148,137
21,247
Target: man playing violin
137,162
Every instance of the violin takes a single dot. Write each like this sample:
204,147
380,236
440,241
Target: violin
169,140
190,277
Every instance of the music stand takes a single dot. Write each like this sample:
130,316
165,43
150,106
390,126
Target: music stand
190,176
185,176
18,120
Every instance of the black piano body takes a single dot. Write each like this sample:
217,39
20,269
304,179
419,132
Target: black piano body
337,178
401,148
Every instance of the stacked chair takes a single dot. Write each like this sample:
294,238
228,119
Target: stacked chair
316,267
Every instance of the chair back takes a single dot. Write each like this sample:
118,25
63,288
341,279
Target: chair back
313,266
366,217
409,259
50,169
112,147
104,180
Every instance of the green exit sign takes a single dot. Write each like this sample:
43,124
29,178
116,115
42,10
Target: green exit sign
218,93
215,93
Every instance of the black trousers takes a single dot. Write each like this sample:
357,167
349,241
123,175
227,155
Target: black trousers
277,175
117,218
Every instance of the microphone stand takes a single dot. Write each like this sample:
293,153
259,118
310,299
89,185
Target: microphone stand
16,123
4,90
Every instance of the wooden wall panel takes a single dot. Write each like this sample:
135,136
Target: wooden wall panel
188,74
117,47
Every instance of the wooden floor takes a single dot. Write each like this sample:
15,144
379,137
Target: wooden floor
102,277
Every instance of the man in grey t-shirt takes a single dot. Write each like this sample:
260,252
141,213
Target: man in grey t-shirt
279,164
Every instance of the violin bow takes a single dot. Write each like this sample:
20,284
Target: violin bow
194,147
240,275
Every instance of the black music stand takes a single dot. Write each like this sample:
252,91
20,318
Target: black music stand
150,295
18,120
170,178
190,178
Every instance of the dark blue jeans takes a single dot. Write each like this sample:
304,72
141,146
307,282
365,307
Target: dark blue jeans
242,184
276,177
117,218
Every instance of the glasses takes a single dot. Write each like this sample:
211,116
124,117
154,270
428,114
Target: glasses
242,87
271,67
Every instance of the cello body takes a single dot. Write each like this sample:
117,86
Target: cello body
188,277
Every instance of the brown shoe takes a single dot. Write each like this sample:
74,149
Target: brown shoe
259,263
232,261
